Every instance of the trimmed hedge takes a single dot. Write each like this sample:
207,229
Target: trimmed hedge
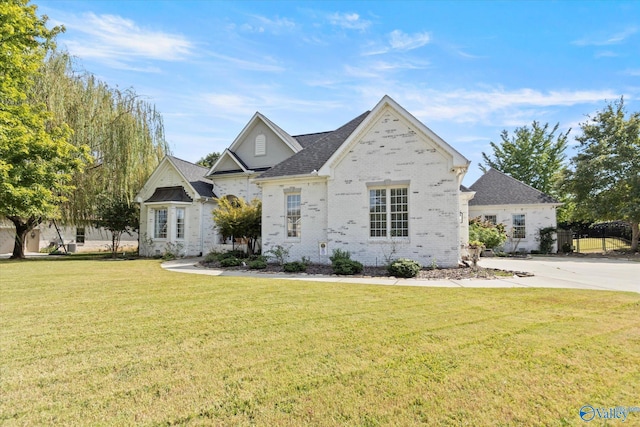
404,268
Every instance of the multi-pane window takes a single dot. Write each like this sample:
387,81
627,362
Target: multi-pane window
378,213
180,223
491,219
388,216
160,224
399,204
293,215
519,230
80,234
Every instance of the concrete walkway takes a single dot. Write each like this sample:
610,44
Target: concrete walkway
550,272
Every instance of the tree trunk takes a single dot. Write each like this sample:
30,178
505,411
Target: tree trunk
635,232
22,228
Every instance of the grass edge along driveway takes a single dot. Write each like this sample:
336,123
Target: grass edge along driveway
124,342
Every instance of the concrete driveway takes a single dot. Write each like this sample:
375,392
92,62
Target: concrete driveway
569,272
550,272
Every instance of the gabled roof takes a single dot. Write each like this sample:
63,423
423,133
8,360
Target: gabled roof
227,153
284,136
458,160
194,174
497,188
316,153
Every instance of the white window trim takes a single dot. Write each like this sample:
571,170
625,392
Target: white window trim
388,185
298,237
524,227
184,222
155,211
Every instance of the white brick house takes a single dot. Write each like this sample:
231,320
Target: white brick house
381,186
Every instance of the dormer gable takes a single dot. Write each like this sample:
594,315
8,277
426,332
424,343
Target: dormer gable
228,162
260,145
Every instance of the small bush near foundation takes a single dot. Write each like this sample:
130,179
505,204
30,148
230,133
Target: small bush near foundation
346,267
294,267
342,263
257,264
230,262
404,268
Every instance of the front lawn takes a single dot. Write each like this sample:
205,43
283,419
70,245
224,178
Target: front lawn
125,342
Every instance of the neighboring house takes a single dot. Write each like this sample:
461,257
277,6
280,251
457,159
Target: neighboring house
382,186
76,238
521,208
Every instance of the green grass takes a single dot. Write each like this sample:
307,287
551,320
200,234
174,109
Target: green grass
126,343
594,244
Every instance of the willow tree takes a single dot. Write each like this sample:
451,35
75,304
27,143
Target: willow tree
125,134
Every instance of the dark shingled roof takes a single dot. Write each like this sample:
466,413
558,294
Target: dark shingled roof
308,139
195,175
169,194
497,188
316,154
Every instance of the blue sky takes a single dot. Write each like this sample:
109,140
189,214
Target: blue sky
466,69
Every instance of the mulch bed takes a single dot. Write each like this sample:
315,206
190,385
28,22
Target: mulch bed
425,274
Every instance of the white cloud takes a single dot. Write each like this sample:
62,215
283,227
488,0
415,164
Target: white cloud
508,107
268,65
118,41
240,107
604,40
350,21
262,23
397,41
401,41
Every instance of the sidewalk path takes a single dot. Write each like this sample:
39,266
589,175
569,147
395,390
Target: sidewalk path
549,272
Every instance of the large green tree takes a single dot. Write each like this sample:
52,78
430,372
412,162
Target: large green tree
605,175
533,155
36,160
125,134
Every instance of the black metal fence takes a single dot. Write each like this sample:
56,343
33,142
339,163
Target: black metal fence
595,238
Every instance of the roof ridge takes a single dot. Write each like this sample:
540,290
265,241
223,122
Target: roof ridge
313,133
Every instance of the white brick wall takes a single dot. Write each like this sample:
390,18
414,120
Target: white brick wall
313,211
338,212
536,217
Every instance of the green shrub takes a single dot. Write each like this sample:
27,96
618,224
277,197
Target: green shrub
279,253
339,254
546,239
490,235
230,262
404,268
257,264
211,257
294,267
342,263
346,267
